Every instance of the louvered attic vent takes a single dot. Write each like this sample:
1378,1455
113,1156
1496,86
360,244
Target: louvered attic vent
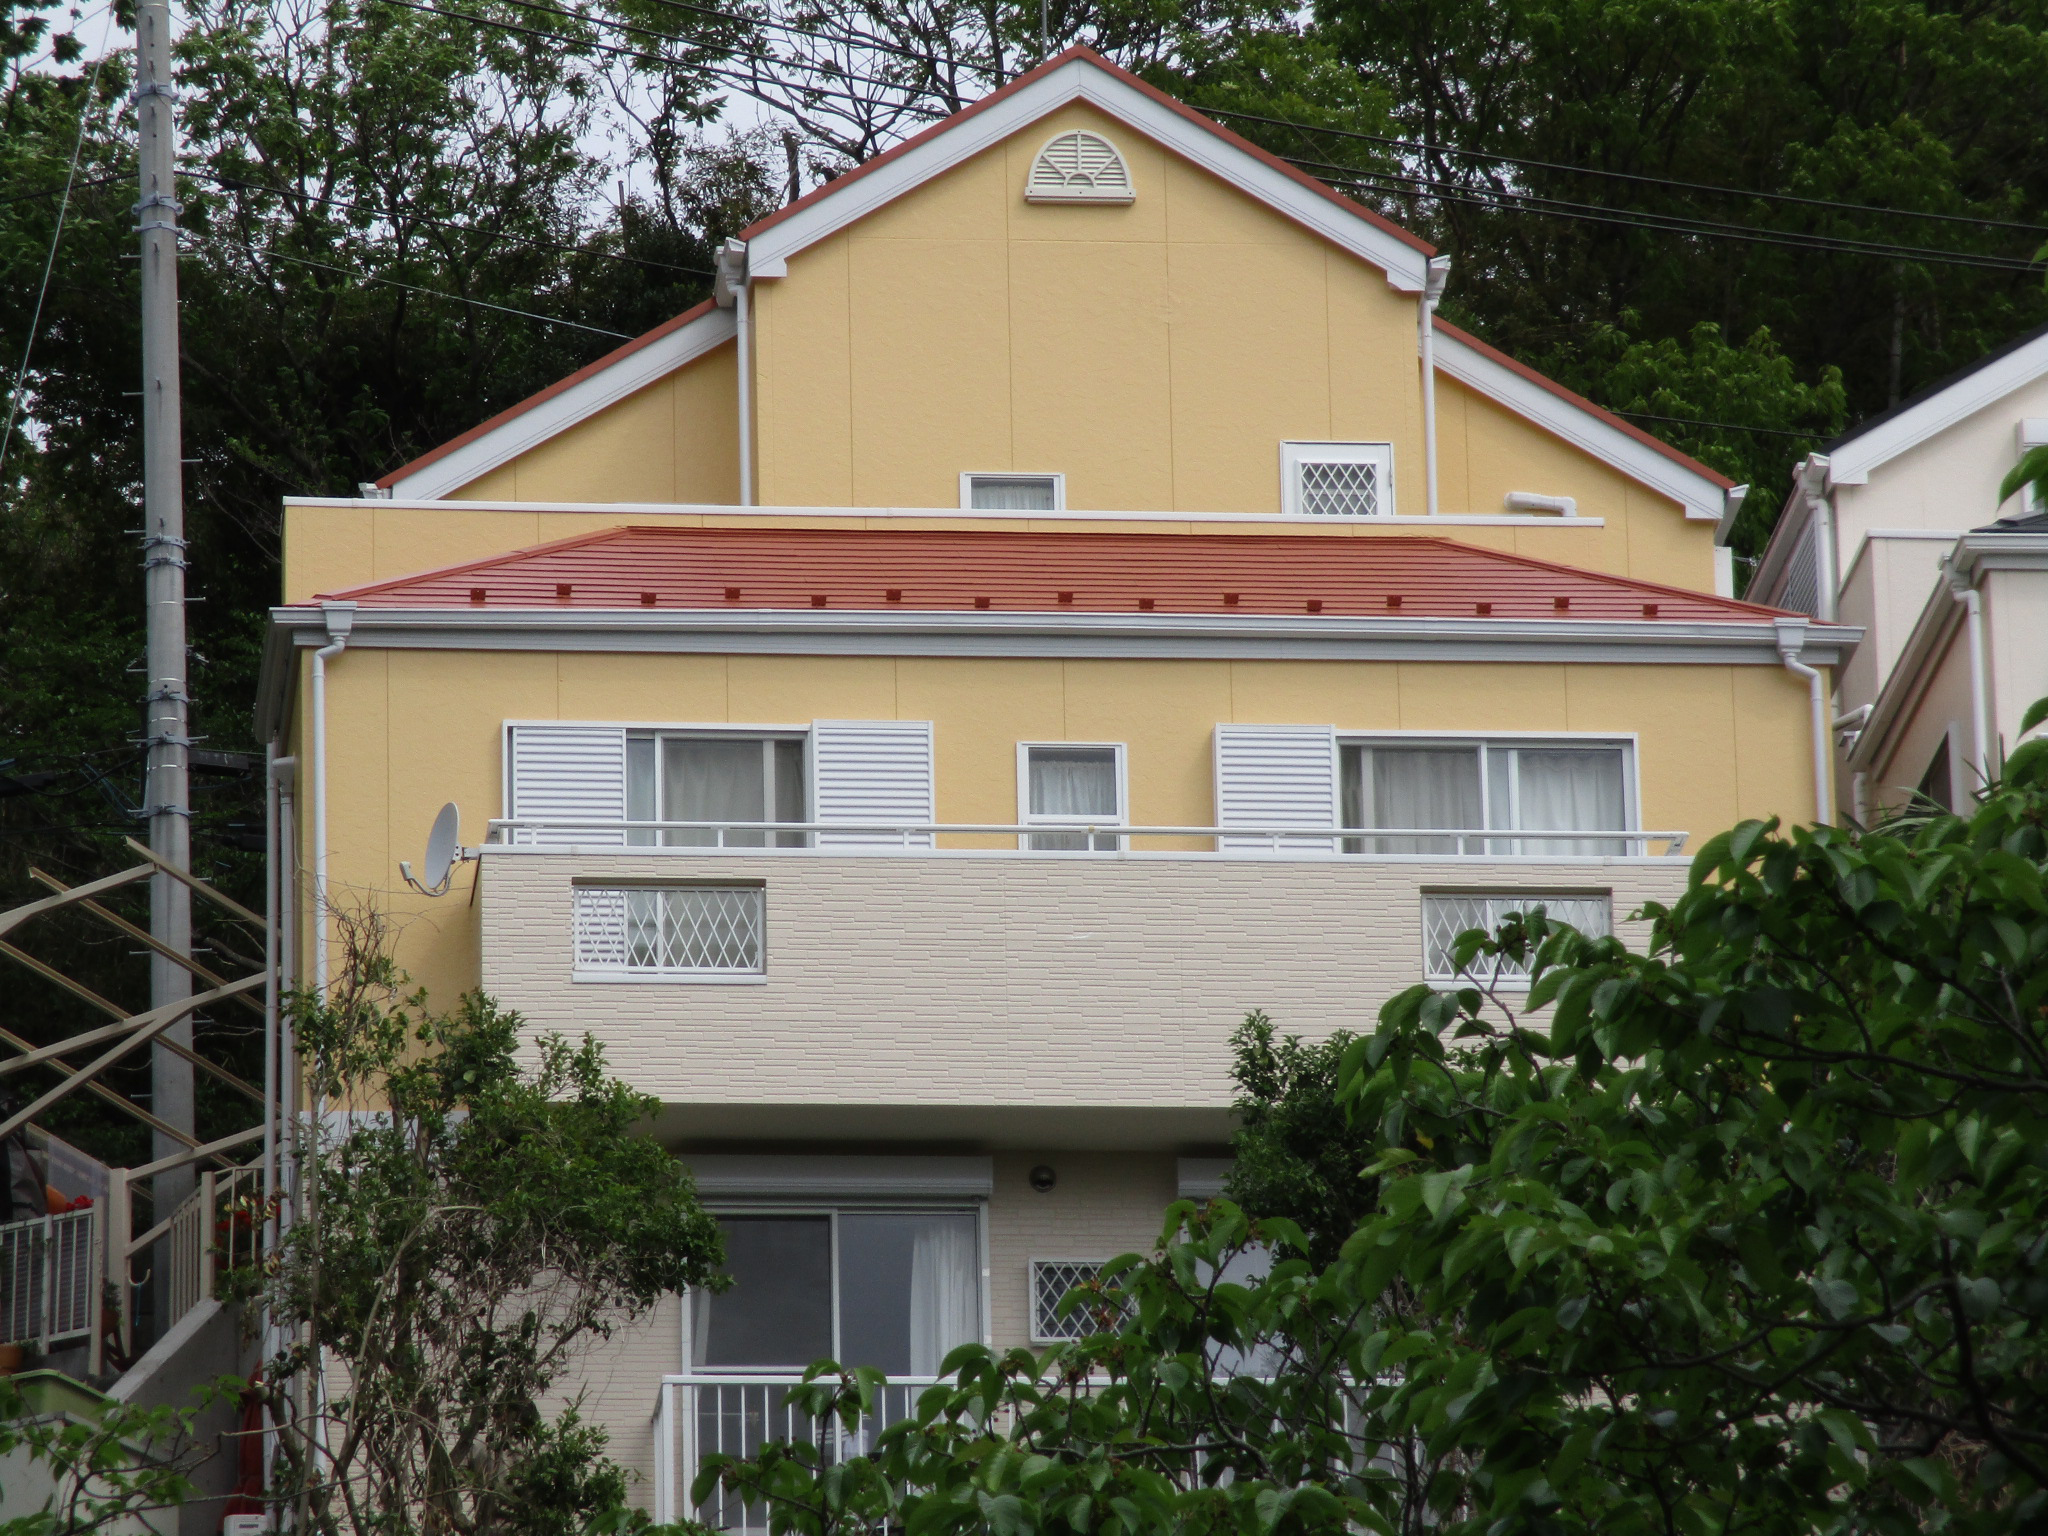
1079,168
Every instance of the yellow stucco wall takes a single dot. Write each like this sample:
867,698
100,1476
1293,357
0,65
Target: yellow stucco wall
409,730
1156,354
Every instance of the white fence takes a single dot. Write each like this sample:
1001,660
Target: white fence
735,1415
50,1268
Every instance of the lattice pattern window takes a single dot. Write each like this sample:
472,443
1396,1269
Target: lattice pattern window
1337,479
1445,917
1051,1279
1340,490
1079,168
677,930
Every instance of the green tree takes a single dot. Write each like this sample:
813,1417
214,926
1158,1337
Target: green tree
1748,1234
491,1209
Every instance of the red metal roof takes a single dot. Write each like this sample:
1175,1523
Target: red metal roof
1381,576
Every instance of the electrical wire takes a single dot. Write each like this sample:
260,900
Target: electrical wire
50,262
392,282
1586,170
1719,426
1669,224
235,183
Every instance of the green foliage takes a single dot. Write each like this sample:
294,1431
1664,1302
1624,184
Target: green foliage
114,1463
2032,470
1749,1233
499,1210
1297,1153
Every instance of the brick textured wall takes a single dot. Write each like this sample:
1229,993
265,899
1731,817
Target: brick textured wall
988,980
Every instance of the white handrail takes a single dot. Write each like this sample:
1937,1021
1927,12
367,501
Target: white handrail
507,829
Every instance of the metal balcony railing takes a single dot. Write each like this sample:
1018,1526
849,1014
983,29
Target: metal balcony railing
50,1268
1096,839
730,1414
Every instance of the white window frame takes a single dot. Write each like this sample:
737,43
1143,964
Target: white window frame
1031,1268
582,975
1509,979
969,476
1067,823
833,1210
1293,455
1631,786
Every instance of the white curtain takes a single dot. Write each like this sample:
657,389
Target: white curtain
990,493
1073,781
945,1296
1568,790
1425,787
709,780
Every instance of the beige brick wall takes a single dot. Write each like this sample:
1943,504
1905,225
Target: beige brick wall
965,979
1102,1204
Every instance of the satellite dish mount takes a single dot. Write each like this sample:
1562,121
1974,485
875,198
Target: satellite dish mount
443,854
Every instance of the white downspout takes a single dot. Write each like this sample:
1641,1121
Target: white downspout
1964,590
340,617
740,308
1813,480
1791,641
1432,291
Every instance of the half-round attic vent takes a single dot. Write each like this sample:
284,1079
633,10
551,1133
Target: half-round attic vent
1079,167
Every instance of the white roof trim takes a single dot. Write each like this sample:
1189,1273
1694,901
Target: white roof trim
1078,80
1702,498
1851,462
580,401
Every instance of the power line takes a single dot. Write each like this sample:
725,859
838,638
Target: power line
1586,170
1720,426
1666,223
527,314
50,262
238,183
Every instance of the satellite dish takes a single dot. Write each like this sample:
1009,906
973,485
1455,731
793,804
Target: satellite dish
442,852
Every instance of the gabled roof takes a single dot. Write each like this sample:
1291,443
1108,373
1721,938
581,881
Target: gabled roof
1079,74
748,569
1870,443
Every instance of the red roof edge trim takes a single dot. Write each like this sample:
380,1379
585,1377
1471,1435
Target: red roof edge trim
489,562
617,354
1647,439
1083,54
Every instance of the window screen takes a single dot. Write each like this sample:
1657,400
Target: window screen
1013,493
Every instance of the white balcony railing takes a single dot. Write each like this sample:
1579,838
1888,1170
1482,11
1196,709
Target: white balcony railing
735,1415
783,837
50,1268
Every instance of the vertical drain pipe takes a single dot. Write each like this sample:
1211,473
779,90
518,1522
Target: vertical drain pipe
1432,291
729,288
1791,641
1964,590
340,617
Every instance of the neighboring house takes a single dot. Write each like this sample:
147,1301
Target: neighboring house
1897,529
911,708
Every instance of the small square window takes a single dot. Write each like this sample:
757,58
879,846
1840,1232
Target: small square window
1013,493
1051,1280
1337,479
1072,785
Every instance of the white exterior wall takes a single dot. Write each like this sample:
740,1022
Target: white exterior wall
1005,1001
1894,574
2016,645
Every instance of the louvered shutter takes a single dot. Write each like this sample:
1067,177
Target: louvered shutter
1276,776
872,771
574,772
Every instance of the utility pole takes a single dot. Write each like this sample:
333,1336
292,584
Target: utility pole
167,776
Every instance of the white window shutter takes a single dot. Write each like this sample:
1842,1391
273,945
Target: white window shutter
870,771
1276,776
571,772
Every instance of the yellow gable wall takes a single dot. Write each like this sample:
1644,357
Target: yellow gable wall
1157,354
1716,743
677,440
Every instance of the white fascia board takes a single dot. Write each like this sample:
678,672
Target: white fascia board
2000,552
869,633
578,402
1702,498
1406,267
1852,462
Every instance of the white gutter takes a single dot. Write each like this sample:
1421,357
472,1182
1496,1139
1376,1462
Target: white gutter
1791,641
1433,290
729,289
1813,483
340,618
1963,588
